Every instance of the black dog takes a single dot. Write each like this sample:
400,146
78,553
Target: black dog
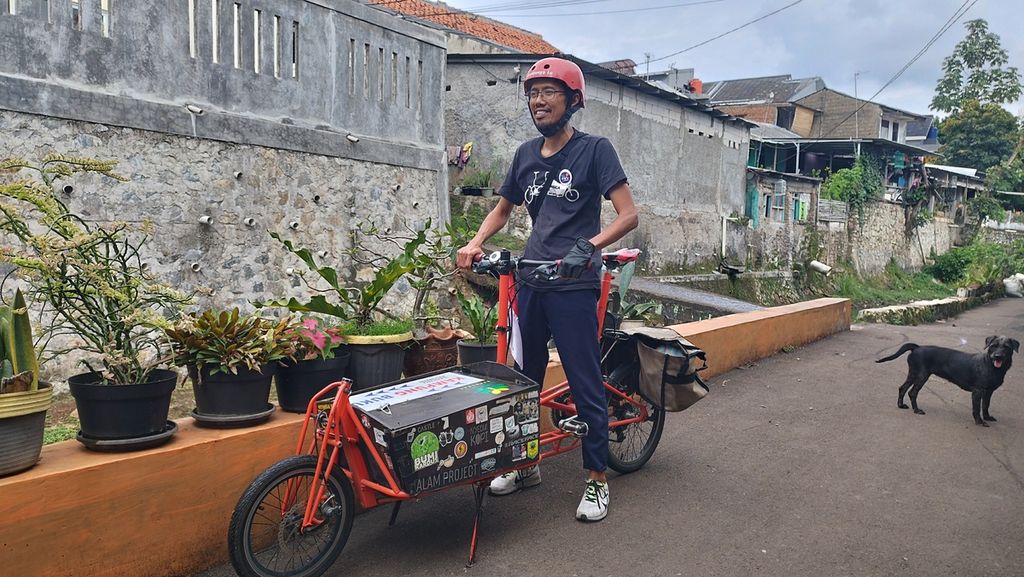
979,374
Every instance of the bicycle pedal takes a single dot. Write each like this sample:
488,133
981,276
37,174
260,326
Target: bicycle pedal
574,426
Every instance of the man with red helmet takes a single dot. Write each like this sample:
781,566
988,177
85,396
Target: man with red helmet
563,177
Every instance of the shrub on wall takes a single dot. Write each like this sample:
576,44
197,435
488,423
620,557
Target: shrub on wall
855,185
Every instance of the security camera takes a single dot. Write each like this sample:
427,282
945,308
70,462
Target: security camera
194,109
352,138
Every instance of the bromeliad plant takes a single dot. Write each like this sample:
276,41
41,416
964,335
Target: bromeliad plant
228,340
481,317
358,307
96,293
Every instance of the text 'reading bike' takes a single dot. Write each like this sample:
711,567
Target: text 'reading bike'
455,427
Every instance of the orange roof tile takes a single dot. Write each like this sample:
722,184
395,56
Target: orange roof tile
472,24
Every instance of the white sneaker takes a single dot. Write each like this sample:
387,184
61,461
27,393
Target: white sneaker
515,480
594,505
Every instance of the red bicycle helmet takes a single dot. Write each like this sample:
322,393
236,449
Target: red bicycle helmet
558,69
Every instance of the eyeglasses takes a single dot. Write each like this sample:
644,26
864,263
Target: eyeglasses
547,93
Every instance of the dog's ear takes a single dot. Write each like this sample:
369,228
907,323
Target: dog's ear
988,341
1015,344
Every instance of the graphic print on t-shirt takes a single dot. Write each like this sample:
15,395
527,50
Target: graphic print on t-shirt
560,187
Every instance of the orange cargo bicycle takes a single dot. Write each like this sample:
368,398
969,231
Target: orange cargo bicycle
459,426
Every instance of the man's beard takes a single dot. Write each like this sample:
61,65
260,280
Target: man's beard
553,129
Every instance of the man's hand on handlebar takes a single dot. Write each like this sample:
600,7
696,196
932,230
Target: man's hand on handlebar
467,255
578,259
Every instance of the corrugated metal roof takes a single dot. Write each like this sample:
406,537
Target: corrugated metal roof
468,23
961,170
781,88
766,131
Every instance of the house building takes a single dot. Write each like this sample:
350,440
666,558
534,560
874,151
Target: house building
767,100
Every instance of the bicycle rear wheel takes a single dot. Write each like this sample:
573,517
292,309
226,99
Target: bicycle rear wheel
264,538
631,446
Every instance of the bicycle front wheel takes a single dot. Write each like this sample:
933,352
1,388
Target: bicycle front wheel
266,539
631,446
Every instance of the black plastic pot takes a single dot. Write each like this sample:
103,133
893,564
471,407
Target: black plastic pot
474,352
374,364
116,412
232,395
298,382
428,356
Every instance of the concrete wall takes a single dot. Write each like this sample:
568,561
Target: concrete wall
686,168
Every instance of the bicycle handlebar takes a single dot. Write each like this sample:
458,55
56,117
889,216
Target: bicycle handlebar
502,262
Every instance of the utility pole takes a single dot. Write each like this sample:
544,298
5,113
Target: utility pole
856,111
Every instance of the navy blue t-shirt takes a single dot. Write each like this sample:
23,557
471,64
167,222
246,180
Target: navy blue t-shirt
585,171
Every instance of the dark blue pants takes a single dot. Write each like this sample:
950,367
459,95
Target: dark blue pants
571,317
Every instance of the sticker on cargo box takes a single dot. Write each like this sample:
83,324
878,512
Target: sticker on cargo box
470,416
460,433
518,451
496,424
461,448
530,428
444,477
487,465
481,414
531,448
424,450
499,439
527,410
493,388
486,453
378,435
446,438
446,463
409,390
500,409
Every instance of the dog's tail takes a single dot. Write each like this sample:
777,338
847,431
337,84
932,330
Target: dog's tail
906,347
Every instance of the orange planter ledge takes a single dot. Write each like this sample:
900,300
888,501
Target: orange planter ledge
160,512
164,512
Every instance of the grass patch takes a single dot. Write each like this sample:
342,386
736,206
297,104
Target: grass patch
895,286
59,432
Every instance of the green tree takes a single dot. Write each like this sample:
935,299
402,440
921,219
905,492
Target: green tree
976,71
978,136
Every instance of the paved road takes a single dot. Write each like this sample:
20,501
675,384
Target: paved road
800,465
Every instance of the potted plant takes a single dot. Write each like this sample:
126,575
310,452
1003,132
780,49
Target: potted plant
478,181
435,337
100,301
640,314
24,399
482,346
231,359
320,359
376,340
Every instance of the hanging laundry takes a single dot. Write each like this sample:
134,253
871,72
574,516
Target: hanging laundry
467,151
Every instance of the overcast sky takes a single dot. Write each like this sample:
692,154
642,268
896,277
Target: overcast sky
832,39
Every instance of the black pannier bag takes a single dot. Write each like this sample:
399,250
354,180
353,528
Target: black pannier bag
668,368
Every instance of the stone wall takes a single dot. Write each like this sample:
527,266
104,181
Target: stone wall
174,180
881,238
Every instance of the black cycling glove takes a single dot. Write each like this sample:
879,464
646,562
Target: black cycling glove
578,259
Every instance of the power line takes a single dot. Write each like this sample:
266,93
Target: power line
727,32
960,12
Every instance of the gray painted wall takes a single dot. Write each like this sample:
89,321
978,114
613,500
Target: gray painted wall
359,71
686,169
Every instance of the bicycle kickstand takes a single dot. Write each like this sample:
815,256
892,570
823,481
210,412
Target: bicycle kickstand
479,492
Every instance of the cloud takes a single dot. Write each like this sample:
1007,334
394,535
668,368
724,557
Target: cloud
832,39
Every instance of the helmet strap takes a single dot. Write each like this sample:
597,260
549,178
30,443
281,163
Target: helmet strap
555,128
